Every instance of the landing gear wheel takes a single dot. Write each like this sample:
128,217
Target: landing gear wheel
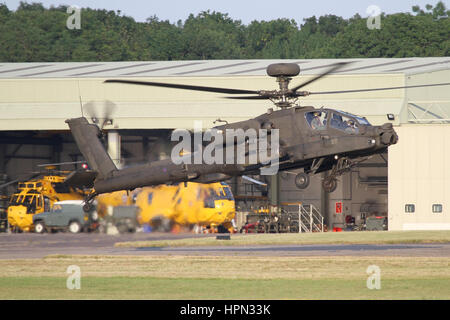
39,227
302,180
329,184
87,207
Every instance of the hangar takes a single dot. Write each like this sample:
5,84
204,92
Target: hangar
409,185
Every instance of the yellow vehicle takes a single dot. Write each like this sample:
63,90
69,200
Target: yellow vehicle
36,196
188,204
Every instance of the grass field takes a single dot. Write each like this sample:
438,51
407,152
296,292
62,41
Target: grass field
363,237
236,277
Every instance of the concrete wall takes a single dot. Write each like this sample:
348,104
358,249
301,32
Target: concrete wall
419,174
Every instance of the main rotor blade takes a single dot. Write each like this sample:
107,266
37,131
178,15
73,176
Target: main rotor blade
380,89
8,183
249,97
335,67
184,86
59,163
23,177
254,181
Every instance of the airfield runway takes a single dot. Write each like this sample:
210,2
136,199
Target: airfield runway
29,246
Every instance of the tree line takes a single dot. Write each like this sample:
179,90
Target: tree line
33,33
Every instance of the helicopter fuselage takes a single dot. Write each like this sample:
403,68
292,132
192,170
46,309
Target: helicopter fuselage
301,145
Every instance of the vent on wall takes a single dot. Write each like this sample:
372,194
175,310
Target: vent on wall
374,181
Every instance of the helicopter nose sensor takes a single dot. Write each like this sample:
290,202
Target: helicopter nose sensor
389,138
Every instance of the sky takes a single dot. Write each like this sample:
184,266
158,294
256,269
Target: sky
246,11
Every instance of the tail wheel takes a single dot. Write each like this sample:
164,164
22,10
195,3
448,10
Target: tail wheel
329,184
39,227
74,227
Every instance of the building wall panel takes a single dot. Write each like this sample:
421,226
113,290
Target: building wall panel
418,174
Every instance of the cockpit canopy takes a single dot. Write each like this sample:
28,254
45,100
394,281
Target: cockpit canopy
343,121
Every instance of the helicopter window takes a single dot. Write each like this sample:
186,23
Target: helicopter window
316,120
343,123
360,120
14,199
211,193
208,201
228,193
225,192
46,204
61,187
221,194
150,198
31,200
28,199
176,194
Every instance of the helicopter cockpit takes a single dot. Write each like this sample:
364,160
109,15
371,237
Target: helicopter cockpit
343,121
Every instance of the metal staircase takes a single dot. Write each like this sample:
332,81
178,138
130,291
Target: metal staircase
304,218
310,219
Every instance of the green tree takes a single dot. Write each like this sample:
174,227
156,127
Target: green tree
211,35
35,33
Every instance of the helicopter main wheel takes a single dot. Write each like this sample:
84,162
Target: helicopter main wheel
302,180
329,184
87,207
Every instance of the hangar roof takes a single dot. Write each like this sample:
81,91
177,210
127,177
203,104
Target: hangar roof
41,96
215,67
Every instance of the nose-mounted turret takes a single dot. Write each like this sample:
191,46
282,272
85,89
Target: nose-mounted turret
387,134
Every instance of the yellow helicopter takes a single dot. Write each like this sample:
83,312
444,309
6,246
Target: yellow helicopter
38,195
186,204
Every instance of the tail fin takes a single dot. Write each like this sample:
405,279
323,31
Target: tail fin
87,138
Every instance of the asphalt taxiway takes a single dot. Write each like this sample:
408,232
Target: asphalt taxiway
31,246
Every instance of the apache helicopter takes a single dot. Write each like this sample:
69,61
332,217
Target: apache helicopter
314,139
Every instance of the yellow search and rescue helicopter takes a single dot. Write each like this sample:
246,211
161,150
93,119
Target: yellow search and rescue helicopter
38,195
188,204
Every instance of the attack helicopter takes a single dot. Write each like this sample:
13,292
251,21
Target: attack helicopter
316,140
